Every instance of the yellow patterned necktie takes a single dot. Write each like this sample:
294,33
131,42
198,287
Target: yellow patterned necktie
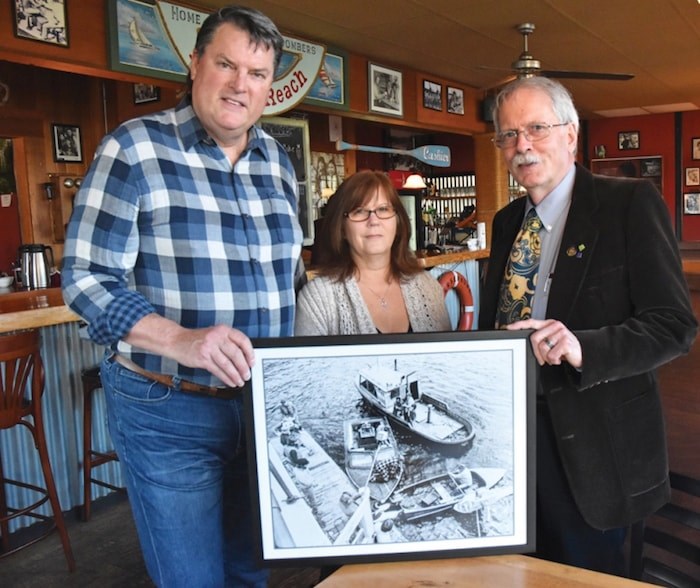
520,278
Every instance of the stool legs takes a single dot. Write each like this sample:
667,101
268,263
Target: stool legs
92,459
21,369
51,489
87,444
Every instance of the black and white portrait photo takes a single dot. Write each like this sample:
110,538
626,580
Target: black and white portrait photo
385,90
455,100
66,143
432,95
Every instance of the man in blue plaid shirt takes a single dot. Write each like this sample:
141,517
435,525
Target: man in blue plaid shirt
184,243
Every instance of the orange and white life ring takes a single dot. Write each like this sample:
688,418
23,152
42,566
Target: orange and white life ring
455,280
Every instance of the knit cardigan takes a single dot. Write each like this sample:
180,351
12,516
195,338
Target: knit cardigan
327,307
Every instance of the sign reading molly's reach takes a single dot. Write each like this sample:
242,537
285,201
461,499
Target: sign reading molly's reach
157,40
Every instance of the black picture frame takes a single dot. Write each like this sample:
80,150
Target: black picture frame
432,95
306,400
628,140
144,93
455,100
41,21
385,90
67,143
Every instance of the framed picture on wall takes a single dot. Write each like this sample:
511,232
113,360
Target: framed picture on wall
695,148
692,176
67,145
146,93
385,90
360,451
691,203
628,140
432,95
455,100
330,88
41,21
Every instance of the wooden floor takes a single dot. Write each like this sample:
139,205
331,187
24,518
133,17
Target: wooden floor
107,555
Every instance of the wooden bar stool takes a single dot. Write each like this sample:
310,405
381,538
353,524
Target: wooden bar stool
21,388
92,459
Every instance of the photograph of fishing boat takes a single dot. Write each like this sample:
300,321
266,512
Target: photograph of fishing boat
381,450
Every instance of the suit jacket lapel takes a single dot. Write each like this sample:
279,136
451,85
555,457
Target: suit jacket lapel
578,244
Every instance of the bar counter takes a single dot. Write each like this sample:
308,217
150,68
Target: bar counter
31,309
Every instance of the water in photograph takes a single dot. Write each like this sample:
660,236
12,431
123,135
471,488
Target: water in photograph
477,385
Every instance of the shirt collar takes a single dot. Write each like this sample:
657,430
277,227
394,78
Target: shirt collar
192,132
556,202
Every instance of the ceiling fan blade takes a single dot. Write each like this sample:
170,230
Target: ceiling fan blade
586,75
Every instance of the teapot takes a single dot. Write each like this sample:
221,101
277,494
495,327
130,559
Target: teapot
34,264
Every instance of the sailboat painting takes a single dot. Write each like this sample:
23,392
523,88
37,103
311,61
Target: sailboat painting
329,86
142,41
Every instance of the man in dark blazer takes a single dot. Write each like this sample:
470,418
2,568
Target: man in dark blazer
610,306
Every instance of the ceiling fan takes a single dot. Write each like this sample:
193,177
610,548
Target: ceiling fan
527,66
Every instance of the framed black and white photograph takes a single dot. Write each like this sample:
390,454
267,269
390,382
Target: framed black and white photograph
146,93
66,143
385,447
41,20
627,140
692,176
385,90
691,203
432,95
455,100
695,148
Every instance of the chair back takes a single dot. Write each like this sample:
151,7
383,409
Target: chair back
21,370
665,548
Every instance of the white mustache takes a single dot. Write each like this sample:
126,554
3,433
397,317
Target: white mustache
525,159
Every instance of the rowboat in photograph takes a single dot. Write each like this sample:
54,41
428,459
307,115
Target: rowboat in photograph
372,457
442,492
399,396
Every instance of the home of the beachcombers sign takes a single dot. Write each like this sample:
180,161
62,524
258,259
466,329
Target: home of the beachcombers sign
298,68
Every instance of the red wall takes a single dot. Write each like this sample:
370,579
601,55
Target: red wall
690,130
10,240
656,137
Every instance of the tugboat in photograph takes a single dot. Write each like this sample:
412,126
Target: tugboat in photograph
398,396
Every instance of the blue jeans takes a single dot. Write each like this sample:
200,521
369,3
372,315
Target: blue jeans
184,459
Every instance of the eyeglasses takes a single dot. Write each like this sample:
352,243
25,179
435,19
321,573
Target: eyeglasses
533,132
362,214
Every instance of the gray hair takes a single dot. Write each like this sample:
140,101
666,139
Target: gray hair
260,28
562,102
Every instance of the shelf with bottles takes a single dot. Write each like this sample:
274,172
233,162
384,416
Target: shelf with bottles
450,195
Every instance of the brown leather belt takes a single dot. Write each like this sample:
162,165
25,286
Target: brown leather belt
182,385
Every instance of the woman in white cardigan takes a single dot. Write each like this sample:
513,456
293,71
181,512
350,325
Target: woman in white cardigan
368,281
